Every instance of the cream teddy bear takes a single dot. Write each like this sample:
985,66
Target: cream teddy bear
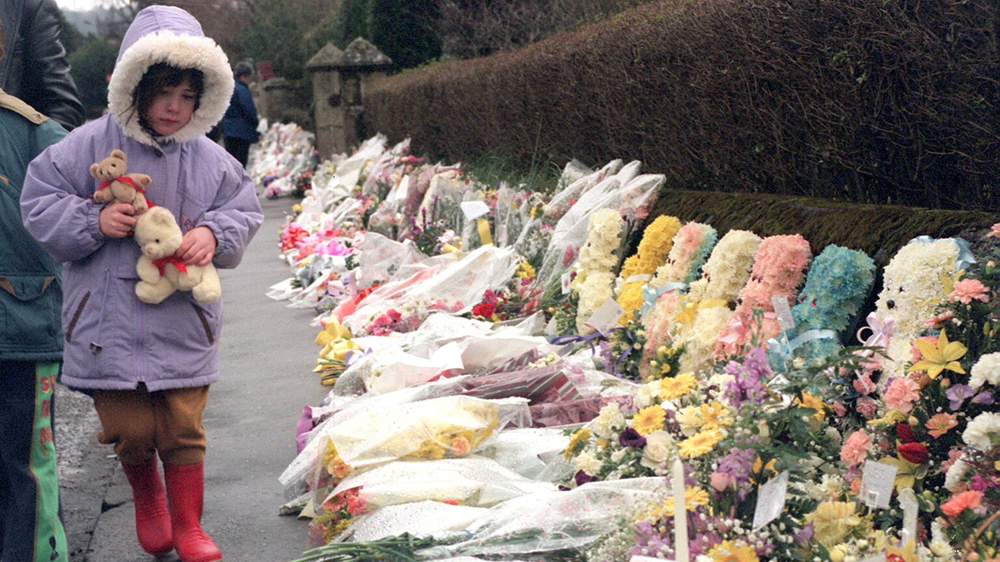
917,280
161,273
119,185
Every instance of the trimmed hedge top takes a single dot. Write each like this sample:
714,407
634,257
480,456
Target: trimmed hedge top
875,102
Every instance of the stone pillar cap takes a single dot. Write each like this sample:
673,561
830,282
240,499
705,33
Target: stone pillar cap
359,55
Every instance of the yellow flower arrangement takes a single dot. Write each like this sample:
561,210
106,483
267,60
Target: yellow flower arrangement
336,342
715,415
728,551
700,444
672,388
334,464
578,441
525,271
649,420
652,252
939,356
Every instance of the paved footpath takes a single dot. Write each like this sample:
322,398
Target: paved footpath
266,357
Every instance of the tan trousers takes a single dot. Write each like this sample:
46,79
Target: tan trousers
140,423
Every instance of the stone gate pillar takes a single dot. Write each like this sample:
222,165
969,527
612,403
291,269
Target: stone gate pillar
339,81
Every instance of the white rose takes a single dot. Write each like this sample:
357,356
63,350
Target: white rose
986,370
690,420
657,451
588,463
980,430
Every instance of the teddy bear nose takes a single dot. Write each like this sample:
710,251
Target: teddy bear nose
891,304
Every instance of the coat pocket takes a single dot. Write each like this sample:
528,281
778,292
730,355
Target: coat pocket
29,310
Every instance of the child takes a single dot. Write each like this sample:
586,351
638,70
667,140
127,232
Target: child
148,367
30,350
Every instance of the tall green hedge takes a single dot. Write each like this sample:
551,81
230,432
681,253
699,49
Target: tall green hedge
875,101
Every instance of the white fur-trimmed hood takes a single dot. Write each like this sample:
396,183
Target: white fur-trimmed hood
171,35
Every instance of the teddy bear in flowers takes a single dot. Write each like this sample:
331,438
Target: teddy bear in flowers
117,185
160,272
917,280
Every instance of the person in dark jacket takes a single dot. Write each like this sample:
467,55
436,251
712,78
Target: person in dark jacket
239,126
35,68
30,351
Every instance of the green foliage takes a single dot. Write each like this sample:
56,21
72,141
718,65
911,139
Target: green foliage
276,35
90,66
493,168
405,30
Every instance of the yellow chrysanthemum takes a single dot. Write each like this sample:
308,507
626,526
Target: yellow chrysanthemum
715,415
702,443
649,420
672,388
690,420
576,442
833,521
939,356
727,551
525,271
630,267
694,497
656,243
331,332
630,299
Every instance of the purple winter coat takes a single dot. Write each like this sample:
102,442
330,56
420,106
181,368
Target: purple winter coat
112,339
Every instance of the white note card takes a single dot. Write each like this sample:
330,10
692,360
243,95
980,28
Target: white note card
606,316
770,500
877,482
474,209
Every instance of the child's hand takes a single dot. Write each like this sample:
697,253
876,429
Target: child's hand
198,246
117,220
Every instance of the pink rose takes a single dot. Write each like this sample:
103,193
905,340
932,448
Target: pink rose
721,481
968,290
901,394
855,449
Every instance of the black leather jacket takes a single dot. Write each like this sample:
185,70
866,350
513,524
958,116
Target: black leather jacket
34,67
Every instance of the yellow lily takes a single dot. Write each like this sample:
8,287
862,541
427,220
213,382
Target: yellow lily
333,331
906,472
906,553
942,355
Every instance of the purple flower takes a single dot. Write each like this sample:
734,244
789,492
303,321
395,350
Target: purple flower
737,464
748,378
582,478
984,398
631,438
958,394
805,536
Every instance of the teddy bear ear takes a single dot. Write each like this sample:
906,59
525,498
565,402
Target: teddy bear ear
95,170
119,154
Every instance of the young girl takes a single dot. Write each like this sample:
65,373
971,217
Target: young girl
148,367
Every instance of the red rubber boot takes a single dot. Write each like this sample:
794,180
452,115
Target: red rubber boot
152,519
186,491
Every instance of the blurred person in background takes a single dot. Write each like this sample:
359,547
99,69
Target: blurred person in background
35,67
239,126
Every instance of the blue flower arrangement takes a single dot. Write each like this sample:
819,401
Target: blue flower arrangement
835,290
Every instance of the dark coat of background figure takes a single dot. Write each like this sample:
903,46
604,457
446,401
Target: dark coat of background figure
239,125
35,67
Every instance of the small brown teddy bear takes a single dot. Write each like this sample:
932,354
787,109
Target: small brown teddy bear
117,184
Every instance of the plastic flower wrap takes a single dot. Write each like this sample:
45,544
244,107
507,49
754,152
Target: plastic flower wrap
552,521
447,427
631,195
836,288
778,270
656,243
595,269
710,302
573,190
472,481
284,152
916,282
